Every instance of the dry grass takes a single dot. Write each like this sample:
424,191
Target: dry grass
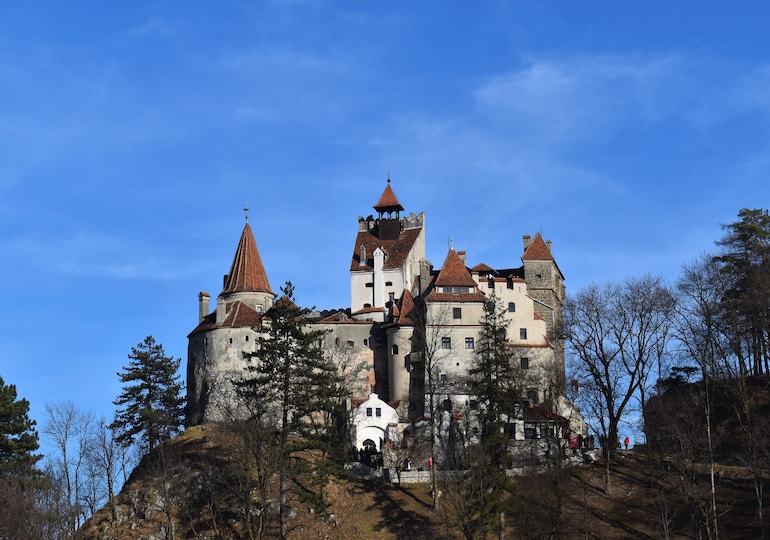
365,509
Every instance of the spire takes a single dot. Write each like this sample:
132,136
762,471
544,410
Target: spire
388,201
247,274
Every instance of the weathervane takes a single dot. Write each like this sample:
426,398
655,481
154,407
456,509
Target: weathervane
246,209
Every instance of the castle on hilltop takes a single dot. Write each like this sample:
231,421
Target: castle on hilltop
398,301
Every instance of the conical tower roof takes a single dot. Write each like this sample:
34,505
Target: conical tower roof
388,201
247,274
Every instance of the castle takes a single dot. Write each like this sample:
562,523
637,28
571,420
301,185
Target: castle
399,303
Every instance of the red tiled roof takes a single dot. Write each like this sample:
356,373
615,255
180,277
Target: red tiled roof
481,267
388,200
397,250
247,274
454,272
239,314
405,315
368,310
537,250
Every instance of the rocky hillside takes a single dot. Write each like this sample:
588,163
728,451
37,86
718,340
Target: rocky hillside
191,489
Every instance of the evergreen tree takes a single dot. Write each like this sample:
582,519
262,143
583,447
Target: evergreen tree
18,437
152,405
497,384
299,390
745,264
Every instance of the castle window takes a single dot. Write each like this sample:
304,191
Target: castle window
474,405
457,313
370,284
366,342
511,307
509,283
442,377
469,343
337,342
231,341
378,412
446,342
490,283
388,283
522,333
247,338
368,411
524,363
532,395
394,350
350,344
367,306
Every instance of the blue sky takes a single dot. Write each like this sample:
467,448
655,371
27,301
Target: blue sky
132,134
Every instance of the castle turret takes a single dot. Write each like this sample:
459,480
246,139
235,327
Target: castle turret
247,280
545,284
215,357
386,257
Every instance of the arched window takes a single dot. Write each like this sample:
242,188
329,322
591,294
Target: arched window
511,307
394,350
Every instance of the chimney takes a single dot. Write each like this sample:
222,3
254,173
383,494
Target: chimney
461,254
425,269
221,310
203,305
527,241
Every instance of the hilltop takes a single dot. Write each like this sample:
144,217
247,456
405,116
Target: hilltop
186,483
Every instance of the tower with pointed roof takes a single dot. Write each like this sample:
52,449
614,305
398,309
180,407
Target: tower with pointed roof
386,257
216,345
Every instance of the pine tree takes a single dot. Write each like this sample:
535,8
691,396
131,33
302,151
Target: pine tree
18,437
152,405
291,382
497,385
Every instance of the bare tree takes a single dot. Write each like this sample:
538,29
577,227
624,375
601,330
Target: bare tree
614,333
431,329
105,457
67,429
702,342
